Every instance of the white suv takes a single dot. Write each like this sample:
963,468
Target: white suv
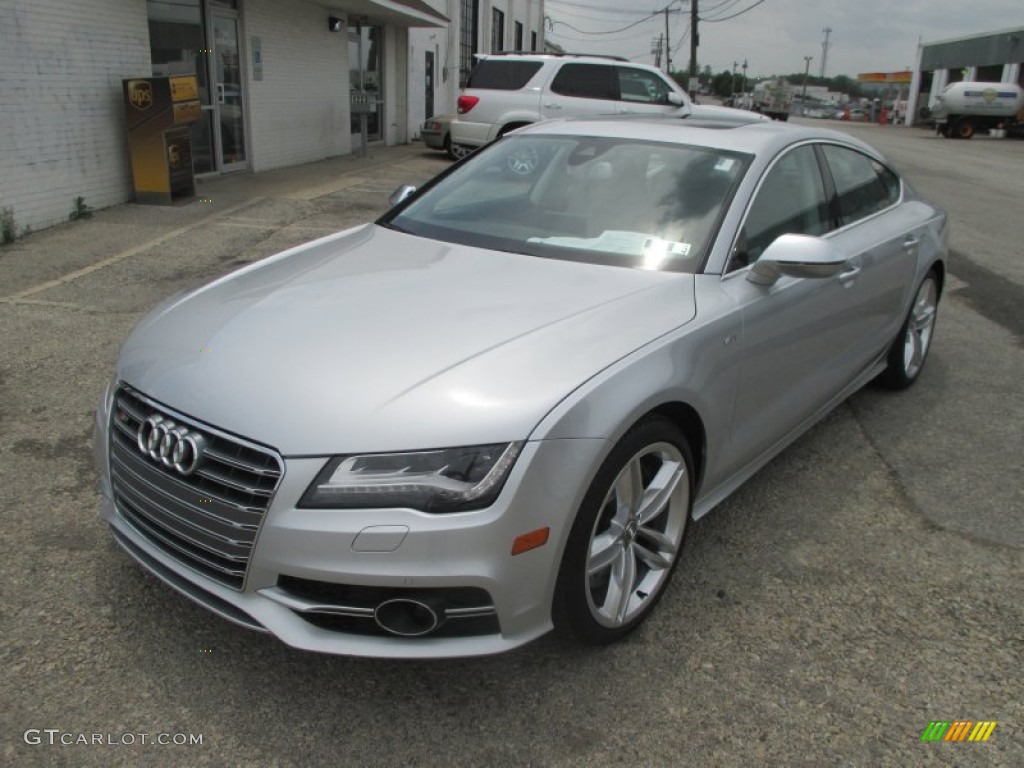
508,91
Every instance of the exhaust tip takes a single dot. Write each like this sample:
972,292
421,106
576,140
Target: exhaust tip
407,617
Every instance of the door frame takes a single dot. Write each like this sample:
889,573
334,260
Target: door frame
213,12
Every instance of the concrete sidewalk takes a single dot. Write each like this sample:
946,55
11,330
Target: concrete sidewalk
240,217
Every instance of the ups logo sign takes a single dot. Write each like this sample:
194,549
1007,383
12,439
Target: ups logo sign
140,94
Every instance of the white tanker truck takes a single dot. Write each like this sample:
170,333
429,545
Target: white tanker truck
965,108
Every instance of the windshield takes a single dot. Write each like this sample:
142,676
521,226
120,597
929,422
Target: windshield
601,200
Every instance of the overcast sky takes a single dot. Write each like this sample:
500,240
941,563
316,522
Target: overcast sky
774,35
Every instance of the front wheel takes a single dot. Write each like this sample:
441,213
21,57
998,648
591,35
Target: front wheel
910,348
628,533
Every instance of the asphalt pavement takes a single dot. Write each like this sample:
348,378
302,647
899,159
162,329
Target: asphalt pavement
867,582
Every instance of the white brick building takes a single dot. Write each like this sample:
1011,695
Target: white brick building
276,77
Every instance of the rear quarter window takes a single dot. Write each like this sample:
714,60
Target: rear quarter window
863,185
502,75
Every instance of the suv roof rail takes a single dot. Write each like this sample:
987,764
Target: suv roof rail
551,53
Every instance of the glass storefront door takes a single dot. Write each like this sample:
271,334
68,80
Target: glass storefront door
190,36
227,83
366,74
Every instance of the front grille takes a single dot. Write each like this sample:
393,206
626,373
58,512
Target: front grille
206,520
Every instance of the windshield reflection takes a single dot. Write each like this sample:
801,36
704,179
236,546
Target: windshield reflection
602,200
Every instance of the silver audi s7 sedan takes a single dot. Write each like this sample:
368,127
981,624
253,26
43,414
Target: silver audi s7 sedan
494,411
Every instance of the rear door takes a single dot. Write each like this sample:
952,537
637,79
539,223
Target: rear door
881,238
581,89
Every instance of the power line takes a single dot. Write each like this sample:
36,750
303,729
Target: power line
720,8
604,8
607,32
738,13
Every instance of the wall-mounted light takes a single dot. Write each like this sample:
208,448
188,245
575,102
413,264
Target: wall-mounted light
335,24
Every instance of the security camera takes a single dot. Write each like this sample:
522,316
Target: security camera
335,24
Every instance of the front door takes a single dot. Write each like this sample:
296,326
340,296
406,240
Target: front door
226,74
428,69
366,75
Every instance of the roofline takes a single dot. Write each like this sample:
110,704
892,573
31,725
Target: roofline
976,36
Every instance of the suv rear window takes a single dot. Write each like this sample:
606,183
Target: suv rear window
502,75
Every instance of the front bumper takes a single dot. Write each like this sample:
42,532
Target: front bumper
442,554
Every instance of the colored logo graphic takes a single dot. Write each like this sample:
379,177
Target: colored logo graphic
140,94
958,730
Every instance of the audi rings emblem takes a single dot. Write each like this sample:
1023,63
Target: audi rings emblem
170,444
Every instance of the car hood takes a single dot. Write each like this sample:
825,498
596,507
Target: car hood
373,340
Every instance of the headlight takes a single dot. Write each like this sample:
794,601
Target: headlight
444,480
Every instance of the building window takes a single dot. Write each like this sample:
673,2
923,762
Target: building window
519,35
497,30
533,41
468,29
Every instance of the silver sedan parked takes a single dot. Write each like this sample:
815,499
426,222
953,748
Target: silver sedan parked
494,411
437,134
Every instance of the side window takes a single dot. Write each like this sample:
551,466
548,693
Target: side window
638,85
502,74
790,200
586,81
864,186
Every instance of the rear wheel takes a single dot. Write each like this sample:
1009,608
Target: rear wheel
963,128
627,536
910,348
458,151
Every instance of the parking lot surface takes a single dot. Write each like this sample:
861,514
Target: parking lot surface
866,582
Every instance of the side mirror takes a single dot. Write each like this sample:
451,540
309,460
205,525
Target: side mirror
675,99
796,256
402,194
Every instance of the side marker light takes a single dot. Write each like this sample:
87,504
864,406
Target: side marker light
531,540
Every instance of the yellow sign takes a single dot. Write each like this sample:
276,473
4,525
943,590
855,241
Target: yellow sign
885,77
184,88
187,112
140,94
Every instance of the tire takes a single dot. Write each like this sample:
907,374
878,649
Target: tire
909,349
963,128
458,151
629,531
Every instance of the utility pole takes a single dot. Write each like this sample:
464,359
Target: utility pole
744,77
732,83
694,42
803,96
668,46
656,50
824,50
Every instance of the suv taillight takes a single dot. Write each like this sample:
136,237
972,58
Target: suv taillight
466,103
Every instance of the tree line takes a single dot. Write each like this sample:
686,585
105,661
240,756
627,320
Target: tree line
725,84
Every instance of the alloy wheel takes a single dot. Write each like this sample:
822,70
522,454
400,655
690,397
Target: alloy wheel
637,534
920,327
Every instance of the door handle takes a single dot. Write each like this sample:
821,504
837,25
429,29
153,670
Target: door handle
552,106
220,93
911,243
849,273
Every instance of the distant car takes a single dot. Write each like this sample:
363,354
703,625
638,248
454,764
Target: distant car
495,410
436,134
508,91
